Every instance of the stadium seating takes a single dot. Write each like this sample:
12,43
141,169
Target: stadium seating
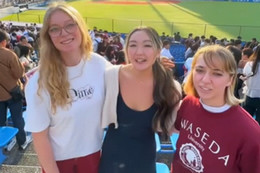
168,148
178,50
162,168
6,135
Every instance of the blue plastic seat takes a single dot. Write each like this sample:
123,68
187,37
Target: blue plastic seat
162,168
6,135
174,138
178,50
158,143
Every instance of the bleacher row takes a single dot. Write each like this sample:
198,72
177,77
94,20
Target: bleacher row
165,148
178,51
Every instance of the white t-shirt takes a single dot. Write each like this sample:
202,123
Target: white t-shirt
252,87
187,65
75,131
166,53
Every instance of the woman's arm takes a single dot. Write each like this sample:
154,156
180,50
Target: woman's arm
44,151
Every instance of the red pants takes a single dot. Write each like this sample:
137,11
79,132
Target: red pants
87,164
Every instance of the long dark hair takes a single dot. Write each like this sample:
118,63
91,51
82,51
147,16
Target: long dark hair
166,95
255,57
110,53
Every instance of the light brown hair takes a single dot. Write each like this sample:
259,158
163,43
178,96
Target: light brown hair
209,55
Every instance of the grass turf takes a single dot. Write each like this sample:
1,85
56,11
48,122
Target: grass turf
222,19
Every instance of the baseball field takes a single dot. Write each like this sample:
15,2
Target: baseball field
221,19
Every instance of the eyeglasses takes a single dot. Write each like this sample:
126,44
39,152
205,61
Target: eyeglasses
55,31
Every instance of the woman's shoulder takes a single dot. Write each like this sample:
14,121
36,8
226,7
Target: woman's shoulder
243,120
113,70
96,57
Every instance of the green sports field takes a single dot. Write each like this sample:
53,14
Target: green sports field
222,19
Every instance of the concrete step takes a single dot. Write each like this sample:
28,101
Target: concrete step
17,161
19,169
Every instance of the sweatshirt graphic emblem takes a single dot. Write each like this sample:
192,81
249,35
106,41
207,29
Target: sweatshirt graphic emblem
190,156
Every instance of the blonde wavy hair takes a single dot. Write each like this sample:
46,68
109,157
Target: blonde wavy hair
209,53
52,71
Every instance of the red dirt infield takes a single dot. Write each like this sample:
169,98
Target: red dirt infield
138,2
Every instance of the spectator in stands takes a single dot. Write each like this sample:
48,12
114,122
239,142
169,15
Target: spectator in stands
238,44
105,33
65,96
142,99
96,42
163,36
187,68
25,58
246,53
192,50
165,52
122,41
13,39
190,36
110,54
23,42
252,79
93,32
116,43
120,57
237,54
11,71
177,37
103,46
216,134
213,39
254,43
202,41
207,42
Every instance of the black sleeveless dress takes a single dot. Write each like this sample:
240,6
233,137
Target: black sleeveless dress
131,148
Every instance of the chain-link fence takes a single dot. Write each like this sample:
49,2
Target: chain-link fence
169,28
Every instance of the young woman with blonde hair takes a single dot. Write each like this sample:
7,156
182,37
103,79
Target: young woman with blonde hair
215,133
65,96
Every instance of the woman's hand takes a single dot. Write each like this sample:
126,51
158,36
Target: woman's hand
167,63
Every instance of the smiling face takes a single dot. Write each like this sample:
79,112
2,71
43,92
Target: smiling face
65,42
141,51
211,81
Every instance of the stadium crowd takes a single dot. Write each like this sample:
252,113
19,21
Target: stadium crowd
24,41
8,3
